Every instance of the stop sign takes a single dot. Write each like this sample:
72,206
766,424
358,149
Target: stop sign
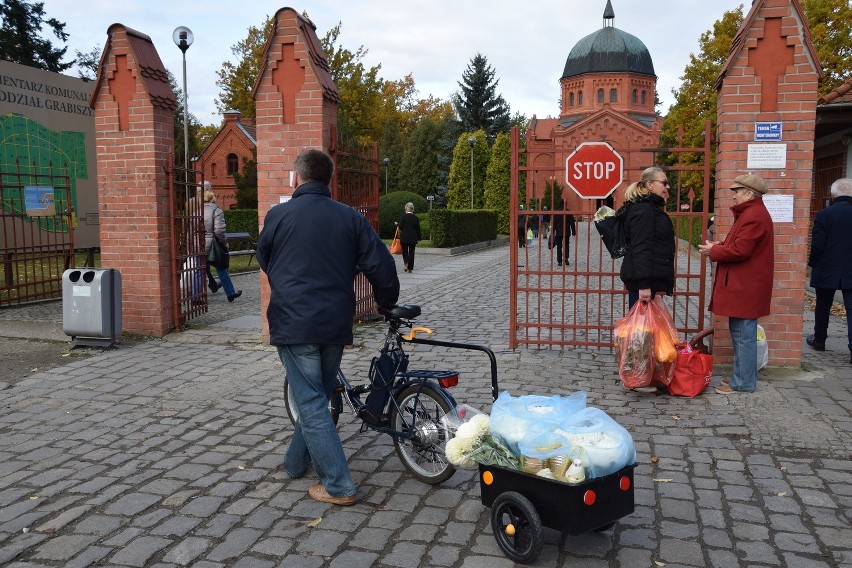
594,170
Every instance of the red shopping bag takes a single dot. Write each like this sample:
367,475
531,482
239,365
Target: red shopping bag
692,371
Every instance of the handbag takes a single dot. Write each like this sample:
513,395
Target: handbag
396,246
218,255
610,226
692,372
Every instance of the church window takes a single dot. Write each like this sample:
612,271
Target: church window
213,170
571,99
634,98
643,97
233,164
579,98
600,95
613,96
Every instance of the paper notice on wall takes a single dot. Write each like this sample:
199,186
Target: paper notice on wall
767,156
780,207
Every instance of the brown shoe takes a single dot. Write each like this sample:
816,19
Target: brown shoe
317,491
726,381
725,388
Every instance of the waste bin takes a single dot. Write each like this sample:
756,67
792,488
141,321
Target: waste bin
91,306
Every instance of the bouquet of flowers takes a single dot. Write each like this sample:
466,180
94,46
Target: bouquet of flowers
474,444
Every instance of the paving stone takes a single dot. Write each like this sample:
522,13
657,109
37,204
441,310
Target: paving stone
63,547
140,550
187,550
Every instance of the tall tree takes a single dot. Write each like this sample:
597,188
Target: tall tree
87,63
391,147
20,40
829,22
420,168
459,191
246,182
237,80
498,179
478,105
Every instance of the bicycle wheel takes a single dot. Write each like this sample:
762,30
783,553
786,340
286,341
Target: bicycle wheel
425,412
517,527
335,404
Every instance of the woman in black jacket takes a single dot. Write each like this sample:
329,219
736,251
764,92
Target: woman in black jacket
648,266
409,234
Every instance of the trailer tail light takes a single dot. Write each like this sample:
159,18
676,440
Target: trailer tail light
624,483
450,381
589,497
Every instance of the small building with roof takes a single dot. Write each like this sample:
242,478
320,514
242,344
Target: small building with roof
226,154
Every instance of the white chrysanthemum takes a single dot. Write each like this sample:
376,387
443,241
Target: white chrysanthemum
468,431
482,423
458,453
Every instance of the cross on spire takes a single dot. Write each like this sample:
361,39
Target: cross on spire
770,59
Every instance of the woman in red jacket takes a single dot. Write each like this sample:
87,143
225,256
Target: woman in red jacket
742,287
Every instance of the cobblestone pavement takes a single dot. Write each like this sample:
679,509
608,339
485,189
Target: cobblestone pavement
167,452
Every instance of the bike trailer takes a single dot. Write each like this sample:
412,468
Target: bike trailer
522,503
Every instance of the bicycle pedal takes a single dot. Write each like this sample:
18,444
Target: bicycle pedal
361,389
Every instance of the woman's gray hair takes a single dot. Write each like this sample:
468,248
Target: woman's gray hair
409,207
842,188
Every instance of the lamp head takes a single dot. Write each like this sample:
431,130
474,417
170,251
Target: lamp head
471,141
386,161
182,36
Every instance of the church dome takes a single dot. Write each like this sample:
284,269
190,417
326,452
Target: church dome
609,50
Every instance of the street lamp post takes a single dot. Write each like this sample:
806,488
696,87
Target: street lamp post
387,163
472,142
182,36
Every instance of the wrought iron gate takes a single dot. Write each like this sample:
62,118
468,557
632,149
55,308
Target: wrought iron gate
37,220
356,183
189,261
579,302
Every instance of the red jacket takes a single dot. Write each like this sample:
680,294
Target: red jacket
745,263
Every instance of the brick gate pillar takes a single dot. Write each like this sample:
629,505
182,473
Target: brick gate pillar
295,109
771,76
134,132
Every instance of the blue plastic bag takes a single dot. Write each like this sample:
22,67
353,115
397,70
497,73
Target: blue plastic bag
608,446
512,417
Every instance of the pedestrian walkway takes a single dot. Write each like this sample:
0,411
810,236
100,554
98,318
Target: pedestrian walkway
166,452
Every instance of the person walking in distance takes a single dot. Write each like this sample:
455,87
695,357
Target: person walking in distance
742,286
562,228
831,262
409,235
311,248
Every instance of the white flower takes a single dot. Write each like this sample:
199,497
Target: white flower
468,431
482,423
458,453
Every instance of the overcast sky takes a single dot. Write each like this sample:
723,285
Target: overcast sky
525,42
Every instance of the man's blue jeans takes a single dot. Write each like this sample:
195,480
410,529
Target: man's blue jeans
312,376
744,340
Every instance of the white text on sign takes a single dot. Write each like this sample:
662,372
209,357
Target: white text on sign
596,170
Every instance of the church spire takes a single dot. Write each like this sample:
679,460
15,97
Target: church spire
609,14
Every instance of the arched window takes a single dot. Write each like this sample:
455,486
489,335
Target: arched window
233,164
633,97
579,98
643,97
213,170
600,96
571,99
613,96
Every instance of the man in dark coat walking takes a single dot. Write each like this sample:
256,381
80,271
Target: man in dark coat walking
562,229
831,262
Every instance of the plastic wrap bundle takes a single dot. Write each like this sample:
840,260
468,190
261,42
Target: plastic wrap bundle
607,445
512,417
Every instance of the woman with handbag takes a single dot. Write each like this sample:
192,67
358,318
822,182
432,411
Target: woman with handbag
409,235
214,238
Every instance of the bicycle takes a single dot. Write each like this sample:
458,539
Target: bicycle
412,406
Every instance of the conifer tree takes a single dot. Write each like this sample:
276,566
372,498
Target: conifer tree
498,178
478,105
20,41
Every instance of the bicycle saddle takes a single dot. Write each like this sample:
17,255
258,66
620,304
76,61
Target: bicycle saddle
405,311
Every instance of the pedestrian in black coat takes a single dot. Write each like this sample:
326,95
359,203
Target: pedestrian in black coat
831,262
409,236
562,228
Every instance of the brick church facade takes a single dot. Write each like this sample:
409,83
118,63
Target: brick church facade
607,93
226,155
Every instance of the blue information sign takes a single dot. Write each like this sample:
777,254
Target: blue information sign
767,131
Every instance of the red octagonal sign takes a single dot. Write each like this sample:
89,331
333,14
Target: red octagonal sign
594,170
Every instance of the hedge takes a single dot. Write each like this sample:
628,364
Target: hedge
452,228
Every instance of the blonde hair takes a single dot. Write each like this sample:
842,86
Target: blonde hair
640,188
209,196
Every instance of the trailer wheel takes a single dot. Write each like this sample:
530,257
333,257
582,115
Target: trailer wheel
517,527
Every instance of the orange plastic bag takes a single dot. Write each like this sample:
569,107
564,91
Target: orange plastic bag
396,244
665,340
634,347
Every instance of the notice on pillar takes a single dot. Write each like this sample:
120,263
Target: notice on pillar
780,207
767,156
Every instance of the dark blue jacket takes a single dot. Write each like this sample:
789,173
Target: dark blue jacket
311,248
831,246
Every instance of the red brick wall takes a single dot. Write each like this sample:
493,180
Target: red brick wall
739,107
288,77
133,192
213,161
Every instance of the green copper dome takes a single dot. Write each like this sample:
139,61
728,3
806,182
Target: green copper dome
609,50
